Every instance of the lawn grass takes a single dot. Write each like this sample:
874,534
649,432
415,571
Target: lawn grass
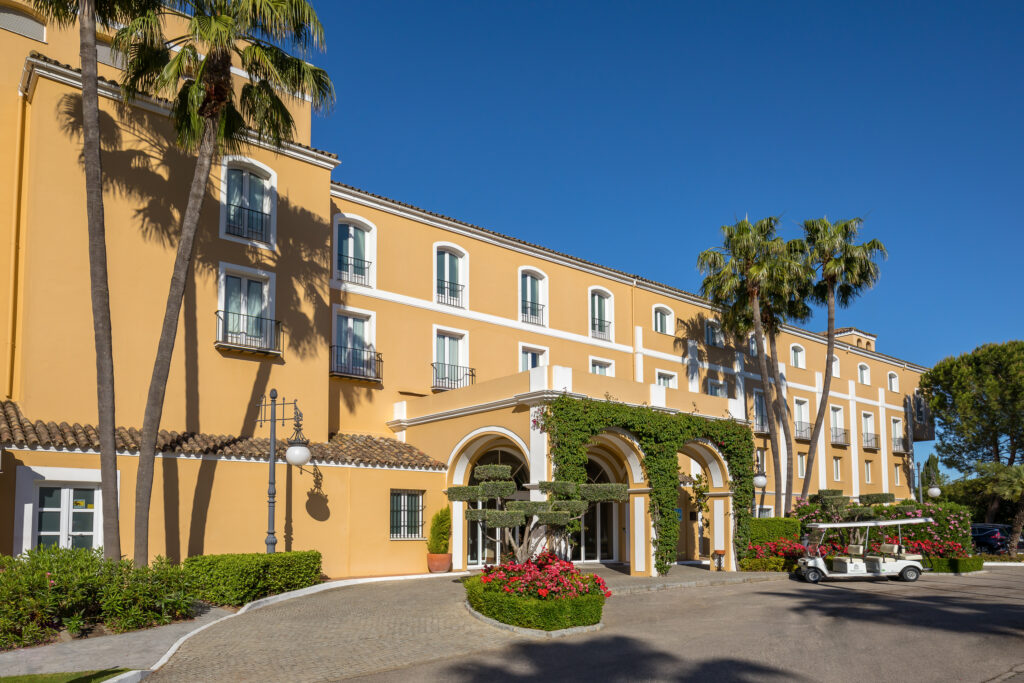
73,677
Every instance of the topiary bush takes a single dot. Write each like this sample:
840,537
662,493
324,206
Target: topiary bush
877,498
953,565
765,529
440,531
241,578
766,564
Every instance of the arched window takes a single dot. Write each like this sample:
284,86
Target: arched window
355,248
796,356
863,374
533,296
248,207
22,23
894,382
451,275
601,313
663,318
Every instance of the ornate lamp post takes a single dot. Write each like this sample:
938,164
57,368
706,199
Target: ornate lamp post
297,454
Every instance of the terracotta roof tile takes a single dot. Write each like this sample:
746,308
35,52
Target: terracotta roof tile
349,449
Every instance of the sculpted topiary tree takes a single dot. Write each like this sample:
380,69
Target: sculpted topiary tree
543,522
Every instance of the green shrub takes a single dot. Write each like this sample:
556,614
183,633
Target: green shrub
765,529
241,578
767,564
877,498
546,615
440,531
953,565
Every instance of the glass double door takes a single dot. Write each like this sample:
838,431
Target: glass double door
595,541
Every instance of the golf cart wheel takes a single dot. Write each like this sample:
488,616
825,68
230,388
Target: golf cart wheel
812,576
910,574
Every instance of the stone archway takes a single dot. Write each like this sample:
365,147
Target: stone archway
705,534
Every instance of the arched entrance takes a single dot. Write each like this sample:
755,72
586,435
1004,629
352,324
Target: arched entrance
598,538
704,531
480,550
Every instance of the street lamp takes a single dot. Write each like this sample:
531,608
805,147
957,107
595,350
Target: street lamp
297,454
760,481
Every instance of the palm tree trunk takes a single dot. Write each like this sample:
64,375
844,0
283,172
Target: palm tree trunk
766,386
782,407
98,283
165,347
1015,528
819,419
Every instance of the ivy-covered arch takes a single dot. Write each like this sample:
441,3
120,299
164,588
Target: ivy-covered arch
571,423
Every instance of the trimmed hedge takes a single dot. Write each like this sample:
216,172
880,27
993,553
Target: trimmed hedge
767,564
238,579
546,615
953,565
877,498
766,529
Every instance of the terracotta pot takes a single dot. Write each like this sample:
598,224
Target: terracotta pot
439,562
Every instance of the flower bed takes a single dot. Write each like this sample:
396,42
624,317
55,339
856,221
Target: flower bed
546,593
782,555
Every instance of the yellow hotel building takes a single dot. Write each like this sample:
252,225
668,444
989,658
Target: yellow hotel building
416,345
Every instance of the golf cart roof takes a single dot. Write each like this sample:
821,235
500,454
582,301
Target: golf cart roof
875,523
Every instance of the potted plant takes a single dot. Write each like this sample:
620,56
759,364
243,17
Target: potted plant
438,557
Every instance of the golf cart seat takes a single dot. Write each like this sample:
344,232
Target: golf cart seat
910,556
890,549
854,552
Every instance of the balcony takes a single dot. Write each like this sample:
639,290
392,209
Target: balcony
354,270
452,376
601,329
900,445
450,293
802,431
250,333
840,437
760,425
870,440
356,363
248,224
532,312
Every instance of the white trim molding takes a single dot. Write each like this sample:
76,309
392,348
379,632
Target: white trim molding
253,167
360,223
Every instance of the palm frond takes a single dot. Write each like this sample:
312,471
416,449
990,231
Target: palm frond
265,113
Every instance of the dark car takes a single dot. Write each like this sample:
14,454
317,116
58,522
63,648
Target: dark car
992,538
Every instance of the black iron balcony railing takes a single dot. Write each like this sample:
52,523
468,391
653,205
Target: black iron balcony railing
354,270
840,437
248,332
452,376
870,440
355,362
899,444
760,425
248,223
802,431
450,293
600,329
533,312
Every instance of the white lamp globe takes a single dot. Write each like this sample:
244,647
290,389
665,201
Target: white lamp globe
760,481
934,491
297,454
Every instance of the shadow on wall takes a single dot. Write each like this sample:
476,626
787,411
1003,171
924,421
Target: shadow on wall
694,329
608,658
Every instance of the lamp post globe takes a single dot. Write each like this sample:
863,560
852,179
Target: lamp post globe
297,454
760,481
934,491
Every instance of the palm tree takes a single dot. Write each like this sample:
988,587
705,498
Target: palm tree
734,275
65,13
844,271
1007,482
194,69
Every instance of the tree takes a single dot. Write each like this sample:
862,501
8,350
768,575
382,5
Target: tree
542,523
210,117
65,13
844,271
977,399
1007,482
734,275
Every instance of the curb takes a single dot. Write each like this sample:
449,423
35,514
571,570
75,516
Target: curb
534,632
1003,564
133,676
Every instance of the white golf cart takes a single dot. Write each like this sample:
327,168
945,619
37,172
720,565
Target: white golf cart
891,560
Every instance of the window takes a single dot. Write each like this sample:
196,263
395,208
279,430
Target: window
765,511
68,517
532,357
716,388
867,421
835,366
533,296
867,471
801,465
863,374
894,382
752,346
105,54
246,316
662,319
352,262
896,475
353,353
899,440
713,335
796,356
836,422
600,314
801,421
837,469
23,24
406,514
666,379
760,413
450,360
450,277
601,366
248,202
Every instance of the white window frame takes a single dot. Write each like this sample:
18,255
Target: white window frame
797,403
867,471
359,223
801,465
896,428
607,362
896,475
798,356
463,337
867,418
720,383
672,376
670,317
835,366
249,165
542,292
523,347
462,255
767,415
369,316
713,335
404,522
836,410
269,286
863,373
765,511
609,312
837,468
893,382
26,500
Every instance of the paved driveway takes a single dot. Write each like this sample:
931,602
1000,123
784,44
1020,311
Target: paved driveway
943,628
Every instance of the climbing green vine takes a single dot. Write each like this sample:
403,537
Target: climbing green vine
571,423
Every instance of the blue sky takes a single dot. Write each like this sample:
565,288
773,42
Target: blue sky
627,133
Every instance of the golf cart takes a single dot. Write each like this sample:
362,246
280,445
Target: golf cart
891,560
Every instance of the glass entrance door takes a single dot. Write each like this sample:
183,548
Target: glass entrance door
596,540
481,550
